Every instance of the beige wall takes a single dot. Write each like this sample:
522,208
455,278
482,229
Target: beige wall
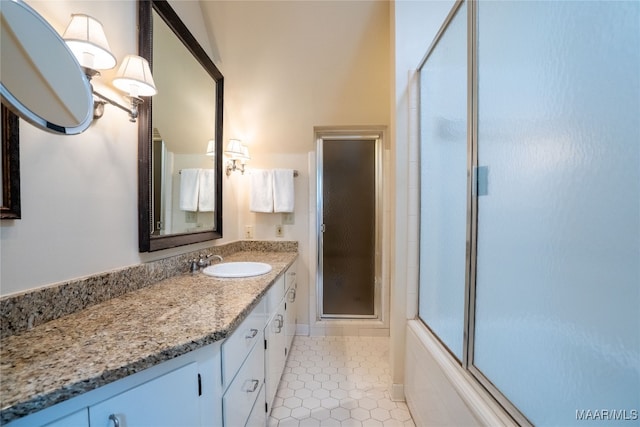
415,23
288,66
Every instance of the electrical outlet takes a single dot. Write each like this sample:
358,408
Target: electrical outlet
279,231
248,231
288,218
190,217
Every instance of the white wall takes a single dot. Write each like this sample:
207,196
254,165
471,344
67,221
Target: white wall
415,23
79,193
290,66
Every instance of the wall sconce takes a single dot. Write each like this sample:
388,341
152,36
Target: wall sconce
86,39
211,148
238,156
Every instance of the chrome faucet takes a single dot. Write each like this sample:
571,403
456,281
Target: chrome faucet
204,261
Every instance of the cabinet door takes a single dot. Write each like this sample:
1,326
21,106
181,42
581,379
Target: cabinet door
244,389
236,348
274,357
77,419
258,416
170,400
290,317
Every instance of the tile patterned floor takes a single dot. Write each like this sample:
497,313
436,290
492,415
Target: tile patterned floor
338,381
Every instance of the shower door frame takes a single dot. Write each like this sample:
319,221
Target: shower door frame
377,137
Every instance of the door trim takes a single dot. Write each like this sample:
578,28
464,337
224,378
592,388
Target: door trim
328,134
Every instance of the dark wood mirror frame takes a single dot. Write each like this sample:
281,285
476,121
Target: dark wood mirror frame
10,208
147,243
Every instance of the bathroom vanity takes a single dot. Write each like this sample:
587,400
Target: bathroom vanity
191,350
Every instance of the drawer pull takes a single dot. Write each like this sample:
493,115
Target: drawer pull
252,333
279,323
116,421
252,387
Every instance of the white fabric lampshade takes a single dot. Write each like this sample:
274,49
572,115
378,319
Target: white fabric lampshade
211,148
234,149
245,155
134,77
86,39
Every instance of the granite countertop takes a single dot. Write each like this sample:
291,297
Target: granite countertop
111,340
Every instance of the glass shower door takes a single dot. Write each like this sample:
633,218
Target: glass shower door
557,294
348,270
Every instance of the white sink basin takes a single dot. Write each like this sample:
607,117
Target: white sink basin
237,269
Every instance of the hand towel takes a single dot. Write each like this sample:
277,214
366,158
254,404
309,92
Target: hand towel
189,189
283,191
207,190
261,195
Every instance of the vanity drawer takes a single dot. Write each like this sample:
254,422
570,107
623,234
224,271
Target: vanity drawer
236,348
290,281
241,395
258,416
275,295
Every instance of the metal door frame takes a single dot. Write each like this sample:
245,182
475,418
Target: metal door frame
377,300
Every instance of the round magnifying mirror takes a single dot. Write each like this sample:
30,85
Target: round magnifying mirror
41,80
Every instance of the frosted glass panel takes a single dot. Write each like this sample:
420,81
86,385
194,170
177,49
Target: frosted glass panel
443,185
557,325
349,216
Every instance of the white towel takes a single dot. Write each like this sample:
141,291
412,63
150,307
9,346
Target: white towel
283,192
261,196
189,189
207,190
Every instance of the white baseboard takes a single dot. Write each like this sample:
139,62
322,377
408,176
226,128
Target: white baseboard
302,330
397,392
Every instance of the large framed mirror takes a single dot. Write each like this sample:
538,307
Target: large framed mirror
180,135
10,152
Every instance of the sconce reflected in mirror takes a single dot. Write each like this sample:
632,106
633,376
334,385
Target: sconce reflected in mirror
86,39
238,154
211,148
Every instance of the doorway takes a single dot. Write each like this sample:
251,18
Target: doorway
349,226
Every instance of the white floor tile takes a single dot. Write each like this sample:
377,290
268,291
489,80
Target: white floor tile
338,381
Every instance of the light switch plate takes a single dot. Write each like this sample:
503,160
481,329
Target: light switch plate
279,231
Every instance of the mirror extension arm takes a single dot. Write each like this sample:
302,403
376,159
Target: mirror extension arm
98,106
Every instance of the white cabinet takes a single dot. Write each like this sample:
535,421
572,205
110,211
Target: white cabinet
230,384
258,416
243,369
291,313
275,353
77,419
242,394
236,347
280,330
170,400
184,391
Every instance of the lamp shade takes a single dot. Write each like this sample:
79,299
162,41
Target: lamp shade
234,149
134,76
86,39
244,158
211,148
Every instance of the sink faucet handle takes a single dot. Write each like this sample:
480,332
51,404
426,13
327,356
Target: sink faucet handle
194,267
204,260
